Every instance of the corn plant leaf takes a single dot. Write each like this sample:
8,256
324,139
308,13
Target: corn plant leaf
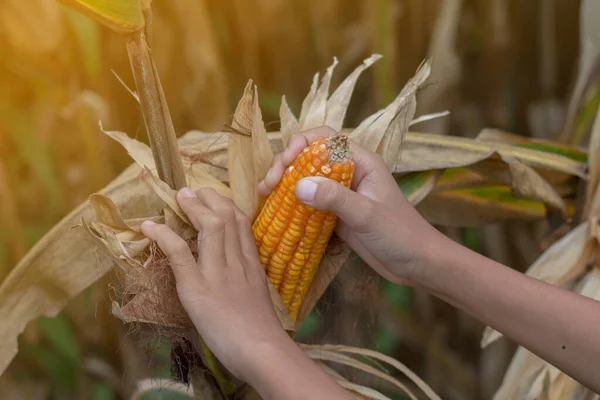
556,148
592,201
526,183
281,309
500,136
315,115
241,155
557,384
107,212
563,261
329,355
166,194
337,105
417,185
424,151
122,16
522,371
289,124
138,151
87,34
262,153
460,177
380,357
477,206
308,100
375,132
62,264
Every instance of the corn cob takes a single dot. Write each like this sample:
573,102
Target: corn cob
292,237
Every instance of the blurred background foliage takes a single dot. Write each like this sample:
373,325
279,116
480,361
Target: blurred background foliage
507,64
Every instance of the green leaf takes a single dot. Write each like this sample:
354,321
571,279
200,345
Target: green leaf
58,332
385,340
102,391
33,152
61,371
122,16
556,148
310,325
87,35
398,295
412,182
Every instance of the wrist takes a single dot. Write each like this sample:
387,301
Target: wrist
259,357
438,261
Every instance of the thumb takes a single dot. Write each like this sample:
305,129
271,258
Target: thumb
328,195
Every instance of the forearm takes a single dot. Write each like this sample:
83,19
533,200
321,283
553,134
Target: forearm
557,325
281,370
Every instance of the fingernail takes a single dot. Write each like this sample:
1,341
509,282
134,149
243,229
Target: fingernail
188,193
306,189
269,175
148,223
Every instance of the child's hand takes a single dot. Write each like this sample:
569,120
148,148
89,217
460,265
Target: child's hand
225,292
226,295
375,218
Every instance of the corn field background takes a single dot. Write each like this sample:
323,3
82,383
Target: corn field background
510,65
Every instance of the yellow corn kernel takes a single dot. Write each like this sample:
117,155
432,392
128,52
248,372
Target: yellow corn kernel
292,237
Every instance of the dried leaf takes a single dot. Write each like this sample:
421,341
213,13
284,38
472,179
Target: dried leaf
107,212
62,264
592,201
281,309
381,357
315,115
428,117
308,100
528,184
554,383
140,152
337,105
289,124
425,151
168,195
477,206
241,154
523,369
262,153
376,132
327,355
